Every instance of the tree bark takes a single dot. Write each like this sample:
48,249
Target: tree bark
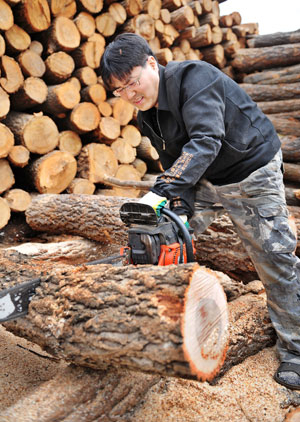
277,38
279,106
290,146
273,76
33,19
272,92
250,59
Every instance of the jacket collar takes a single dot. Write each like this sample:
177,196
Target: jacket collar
162,92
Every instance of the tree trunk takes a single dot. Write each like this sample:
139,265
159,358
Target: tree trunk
278,38
250,59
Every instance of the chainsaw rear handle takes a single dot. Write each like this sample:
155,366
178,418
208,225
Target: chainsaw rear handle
184,231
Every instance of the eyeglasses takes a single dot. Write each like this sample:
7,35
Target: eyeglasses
120,91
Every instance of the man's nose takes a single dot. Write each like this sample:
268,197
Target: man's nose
130,93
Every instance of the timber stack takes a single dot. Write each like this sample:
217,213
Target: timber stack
269,71
60,130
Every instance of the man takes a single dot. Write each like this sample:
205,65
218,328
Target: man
220,153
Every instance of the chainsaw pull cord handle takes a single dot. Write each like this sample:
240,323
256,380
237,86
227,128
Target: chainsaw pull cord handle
185,233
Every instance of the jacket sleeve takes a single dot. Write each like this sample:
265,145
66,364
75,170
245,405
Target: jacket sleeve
203,109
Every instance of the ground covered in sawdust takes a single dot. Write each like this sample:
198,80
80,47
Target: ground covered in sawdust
246,393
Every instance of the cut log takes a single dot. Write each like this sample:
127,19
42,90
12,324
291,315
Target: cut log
81,186
84,117
132,7
86,25
105,24
69,141
32,93
7,178
124,152
155,295
4,207
290,146
279,106
2,45
16,40
53,172
118,12
61,98
277,38
96,161
12,77
216,35
164,56
202,38
62,35
122,111
272,92
107,131
182,17
91,6
37,47
19,156
6,16
59,67
31,63
33,16
132,135
214,55
105,109
210,19
126,172
140,166
18,200
90,52
286,124
250,59
95,93
291,172
165,15
171,4
4,103
86,75
38,133
6,140
152,8
226,21
142,25
146,151
272,76
65,8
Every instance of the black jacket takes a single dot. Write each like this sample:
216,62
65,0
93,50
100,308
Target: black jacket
205,126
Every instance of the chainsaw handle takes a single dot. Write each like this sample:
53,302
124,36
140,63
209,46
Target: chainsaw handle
185,233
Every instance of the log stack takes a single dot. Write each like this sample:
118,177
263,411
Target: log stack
60,130
269,71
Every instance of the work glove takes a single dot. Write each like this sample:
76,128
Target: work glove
185,220
157,202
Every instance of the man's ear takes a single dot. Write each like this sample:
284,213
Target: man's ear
152,62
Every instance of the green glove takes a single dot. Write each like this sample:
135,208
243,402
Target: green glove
157,202
185,221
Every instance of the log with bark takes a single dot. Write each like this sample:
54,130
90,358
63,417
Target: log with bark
277,38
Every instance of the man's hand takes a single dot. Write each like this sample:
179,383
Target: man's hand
155,201
185,220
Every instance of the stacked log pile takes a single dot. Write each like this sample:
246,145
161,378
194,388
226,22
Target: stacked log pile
60,130
269,70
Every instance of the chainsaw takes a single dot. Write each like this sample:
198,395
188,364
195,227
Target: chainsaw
152,240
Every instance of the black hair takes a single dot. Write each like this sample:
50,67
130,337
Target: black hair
125,52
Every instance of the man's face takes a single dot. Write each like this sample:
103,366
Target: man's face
140,88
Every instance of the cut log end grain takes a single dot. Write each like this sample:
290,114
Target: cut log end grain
4,103
132,135
31,63
17,39
95,93
93,7
11,75
40,135
109,129
86,25
59,67
63,35
65,8
7,178
86,75
81,186
106,24
70,141
124,152
53,172
6,16
118,13
33,92
127,172
4,213
84,117
122,111
19,156
62,97
6,140
205,324
96,161
18,200
35,15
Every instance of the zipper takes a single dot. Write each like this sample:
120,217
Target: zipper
164,143
161,136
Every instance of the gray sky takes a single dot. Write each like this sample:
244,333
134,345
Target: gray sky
271,15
